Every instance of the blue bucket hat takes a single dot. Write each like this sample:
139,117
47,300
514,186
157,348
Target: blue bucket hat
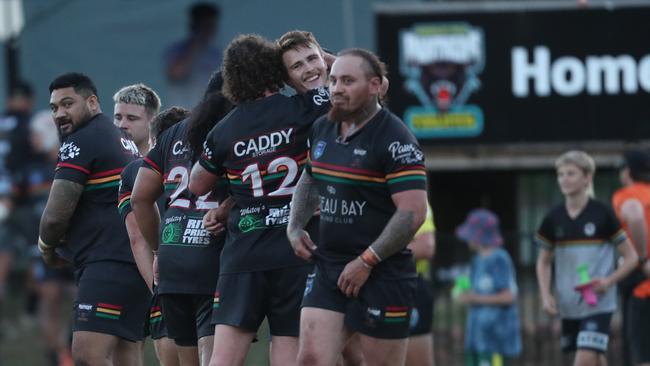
482,227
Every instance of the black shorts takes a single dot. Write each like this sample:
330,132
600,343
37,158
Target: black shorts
112,299
187,317
382,309
155,324
588,333
639,329
422,314
244,299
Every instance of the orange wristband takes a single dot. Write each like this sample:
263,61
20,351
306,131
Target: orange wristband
369,257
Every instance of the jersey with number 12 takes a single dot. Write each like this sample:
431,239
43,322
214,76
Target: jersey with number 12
261,146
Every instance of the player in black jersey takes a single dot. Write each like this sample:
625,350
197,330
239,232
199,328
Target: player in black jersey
260,146
188,256
135,108
80,218
135,113
367,176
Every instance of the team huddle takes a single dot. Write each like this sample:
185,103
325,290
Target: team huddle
195,227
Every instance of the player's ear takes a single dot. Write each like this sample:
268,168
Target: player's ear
375,86
93,103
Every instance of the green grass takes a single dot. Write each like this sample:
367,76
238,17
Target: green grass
22,344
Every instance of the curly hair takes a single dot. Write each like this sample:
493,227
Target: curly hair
251,66
212,108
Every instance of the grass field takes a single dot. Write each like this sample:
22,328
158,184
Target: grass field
22,345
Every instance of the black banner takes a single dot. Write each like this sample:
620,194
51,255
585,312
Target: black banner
514,75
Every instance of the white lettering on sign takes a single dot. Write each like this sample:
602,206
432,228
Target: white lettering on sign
570,76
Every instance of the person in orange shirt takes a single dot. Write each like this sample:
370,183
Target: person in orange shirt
632,205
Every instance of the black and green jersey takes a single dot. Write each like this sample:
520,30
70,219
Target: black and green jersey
261,147
356,179
188,256
94,156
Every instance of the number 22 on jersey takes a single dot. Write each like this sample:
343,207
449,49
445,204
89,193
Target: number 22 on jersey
181,175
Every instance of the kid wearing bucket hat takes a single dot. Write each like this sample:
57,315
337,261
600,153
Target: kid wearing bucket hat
492,335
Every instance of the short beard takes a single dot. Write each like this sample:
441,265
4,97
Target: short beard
337,114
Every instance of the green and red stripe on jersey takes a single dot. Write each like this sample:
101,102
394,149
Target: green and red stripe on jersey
343,174
123,200
105,179
152,164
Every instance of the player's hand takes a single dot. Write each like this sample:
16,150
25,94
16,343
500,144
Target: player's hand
301,243
155,269
329,59
53,259
549,305
354,276
467,298
601,285
214,221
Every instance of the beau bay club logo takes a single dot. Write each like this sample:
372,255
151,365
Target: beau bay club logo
441,63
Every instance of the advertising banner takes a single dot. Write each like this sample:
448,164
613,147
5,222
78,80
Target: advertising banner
518,74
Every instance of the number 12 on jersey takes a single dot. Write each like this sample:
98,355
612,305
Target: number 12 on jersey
275,169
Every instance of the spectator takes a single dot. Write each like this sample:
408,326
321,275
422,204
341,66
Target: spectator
492,331
190,62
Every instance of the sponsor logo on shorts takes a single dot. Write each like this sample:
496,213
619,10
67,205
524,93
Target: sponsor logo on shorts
594,340
415,318
83,312
155,315
216,301
373,315
108,311
396,314
309,284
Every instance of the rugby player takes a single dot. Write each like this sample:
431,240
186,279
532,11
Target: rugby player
306,68
80,217
367,177
260,145
188,255
135,112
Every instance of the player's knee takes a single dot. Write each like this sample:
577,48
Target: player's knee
87,356
308,357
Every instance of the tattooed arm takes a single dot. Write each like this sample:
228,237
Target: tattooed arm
410,214
303,204
61,204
